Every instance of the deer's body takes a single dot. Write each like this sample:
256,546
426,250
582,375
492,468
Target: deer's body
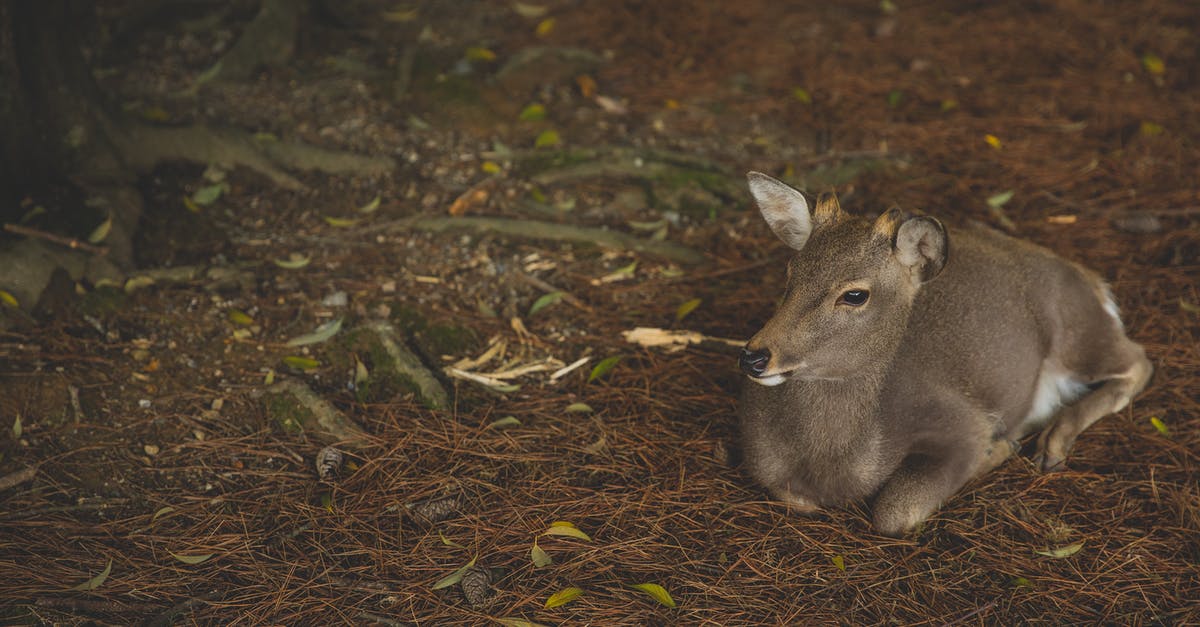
965,341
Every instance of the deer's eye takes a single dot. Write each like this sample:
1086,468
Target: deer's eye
854,298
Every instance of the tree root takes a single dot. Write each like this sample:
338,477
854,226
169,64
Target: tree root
535,229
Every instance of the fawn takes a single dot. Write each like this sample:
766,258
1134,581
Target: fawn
906,358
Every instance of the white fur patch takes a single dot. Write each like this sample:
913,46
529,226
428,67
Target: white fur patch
774,379
1054,388
1110,306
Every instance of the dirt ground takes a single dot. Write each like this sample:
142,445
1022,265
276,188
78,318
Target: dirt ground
159,463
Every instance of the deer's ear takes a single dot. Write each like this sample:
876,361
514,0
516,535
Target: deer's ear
922,246
784,209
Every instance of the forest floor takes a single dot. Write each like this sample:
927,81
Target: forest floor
149,468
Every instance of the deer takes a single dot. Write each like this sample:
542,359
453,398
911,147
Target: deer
906,359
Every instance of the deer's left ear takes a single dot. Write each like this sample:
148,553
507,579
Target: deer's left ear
919,243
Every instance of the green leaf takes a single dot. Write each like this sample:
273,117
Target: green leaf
894,98
322,333
301,363
1183,304
16,428
295,261
448,542
564,528
101,232
533,113
8,299
801,94
1061,552
530,11
517,622
603,367
478,53
240,318
547,138
1021,582
340,222
538,556
686,308
839,562
371,206
578,408
1160,425
97,581
361,374
999,200
563,597
192,559
209,194
162,511
1153,64
507,421
454,577
656,592
545,301
888,7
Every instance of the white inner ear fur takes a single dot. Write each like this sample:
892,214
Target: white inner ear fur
784,209
919,242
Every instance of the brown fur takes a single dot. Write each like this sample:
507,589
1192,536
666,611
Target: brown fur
966,334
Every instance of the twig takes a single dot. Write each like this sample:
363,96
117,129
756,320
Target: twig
542,285
17,478
69,242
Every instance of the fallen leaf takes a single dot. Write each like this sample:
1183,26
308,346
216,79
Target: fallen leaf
192,559
839,562
564,528
656,592
8,299
547,138
371,206
1061,552
162,511
490,167
1160,425
322,333
539,557
801,94
894,98
603,367
476,53
295,261
1062,219
16,427
1188,307
686,308
240,318
97,581
507,421
400,16
545,27
101,232
949,104
340,222
992,141
209,194
1001,199
563,597
533,113
448,542
454,577
587,85
582,408
1021,582
1150,129
530,11
517,622
1153,64
299,363
544,301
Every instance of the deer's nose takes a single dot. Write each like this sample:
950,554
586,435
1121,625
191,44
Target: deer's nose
754,363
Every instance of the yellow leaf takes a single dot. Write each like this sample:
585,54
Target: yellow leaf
531,11
327,501
241,318
371,206
1153,64
476,53
656,592
1150,129
686,308
163,511
671,103
563,597
301,363
547,138
400,16
154,114
992,141
801,94
295,261
191,204
1188,307
839,562
582,408
949,104
9,299
448,542
545,27
1160,425
587,85
454,577
491,167
517,622
533,113
340,222
564,528
539,557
